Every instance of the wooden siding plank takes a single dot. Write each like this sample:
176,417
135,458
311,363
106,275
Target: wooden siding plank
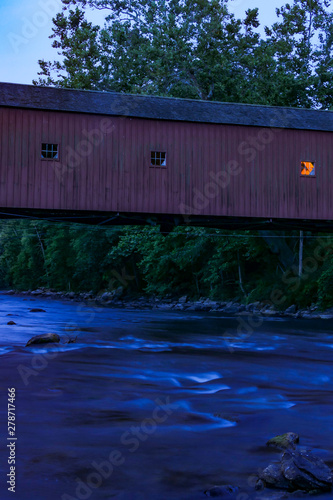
11,159
4,137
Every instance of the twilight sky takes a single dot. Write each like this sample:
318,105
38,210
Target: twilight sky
26,26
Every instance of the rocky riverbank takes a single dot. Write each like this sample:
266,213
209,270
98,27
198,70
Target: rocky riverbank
118,299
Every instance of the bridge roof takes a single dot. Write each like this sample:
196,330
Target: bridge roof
162,108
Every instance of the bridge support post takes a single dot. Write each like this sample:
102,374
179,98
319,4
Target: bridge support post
300,255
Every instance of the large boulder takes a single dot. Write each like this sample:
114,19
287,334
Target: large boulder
305,471
298,470
45,338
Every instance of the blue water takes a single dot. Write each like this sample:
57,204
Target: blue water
183,400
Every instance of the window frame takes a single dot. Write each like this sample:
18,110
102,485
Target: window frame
155,152
53,144
308,176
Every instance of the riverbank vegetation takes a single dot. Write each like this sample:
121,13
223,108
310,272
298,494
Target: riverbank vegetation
247,266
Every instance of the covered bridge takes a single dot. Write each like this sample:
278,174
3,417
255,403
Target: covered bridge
107,157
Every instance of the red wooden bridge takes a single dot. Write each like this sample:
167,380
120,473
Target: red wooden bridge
105,157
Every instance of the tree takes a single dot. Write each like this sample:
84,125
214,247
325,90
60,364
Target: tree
180,48
196,49
90,247
301,41
77,41
22,259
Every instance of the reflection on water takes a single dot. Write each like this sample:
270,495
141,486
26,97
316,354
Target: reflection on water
183,400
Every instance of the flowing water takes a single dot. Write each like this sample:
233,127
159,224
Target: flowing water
156,405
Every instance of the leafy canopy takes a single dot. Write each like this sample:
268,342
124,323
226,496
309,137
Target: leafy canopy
195,49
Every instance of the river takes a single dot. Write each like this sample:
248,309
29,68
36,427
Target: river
156,405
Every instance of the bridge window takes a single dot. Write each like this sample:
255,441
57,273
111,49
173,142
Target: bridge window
308,169
158,159
50,151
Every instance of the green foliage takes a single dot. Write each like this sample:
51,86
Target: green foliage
303,65
193,261
21,255
58,256
189,261
325,286
196,49
77,41
90,247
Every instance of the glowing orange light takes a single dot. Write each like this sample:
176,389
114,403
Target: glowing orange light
308,168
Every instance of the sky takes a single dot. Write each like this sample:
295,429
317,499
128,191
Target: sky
25,27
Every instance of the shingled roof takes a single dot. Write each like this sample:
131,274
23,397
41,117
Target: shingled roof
162,108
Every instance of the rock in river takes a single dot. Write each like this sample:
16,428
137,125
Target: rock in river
37,310
44,339
284,441
298,470
222,491
306,471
